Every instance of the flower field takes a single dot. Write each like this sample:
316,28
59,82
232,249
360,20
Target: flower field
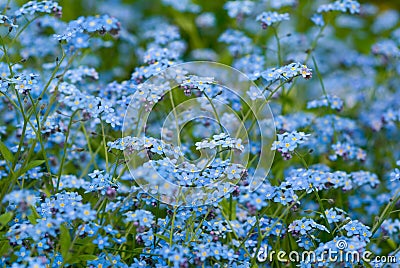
188,133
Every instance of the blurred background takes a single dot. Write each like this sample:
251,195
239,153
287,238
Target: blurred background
201,23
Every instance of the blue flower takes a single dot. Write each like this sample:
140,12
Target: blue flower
110,23
333,102
254,93
288,142
239,8
350,6
305,226
347,150
101,241
395,175
287,72
23,254
334,215
7,22
140,217
33,7
305,242
206,20
271,17
182,5
318,19
356,228
233,172
238,42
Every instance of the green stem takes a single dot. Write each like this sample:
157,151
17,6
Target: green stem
6,7
104,144
386,212
321,205
278,44
65,150
178,131
172,226
39,134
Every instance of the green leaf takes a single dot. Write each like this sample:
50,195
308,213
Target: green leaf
81,258
4,247
6,153
5,218
163,237
65,241
87,257
229,208
138,250
33,216
32,219
392,244
31,165
189,27
85,240
34,212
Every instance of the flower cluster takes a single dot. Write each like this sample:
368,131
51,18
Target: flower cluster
305,226
350,6
268,18
103,184
23,83
237,9
33,7
182,5
395,175
114,153
142,218
334,102
321,177
288,142
238,42
347,151
386,48
156,146
223,140
356,228
77,31
287,72
334,215
7,22
195,82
